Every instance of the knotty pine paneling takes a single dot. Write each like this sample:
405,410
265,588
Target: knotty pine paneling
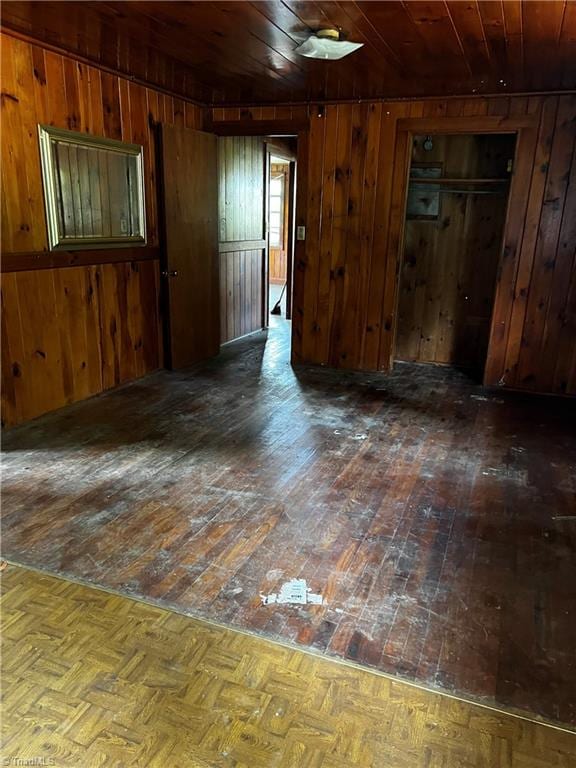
70,333
345,288
39,86
447,282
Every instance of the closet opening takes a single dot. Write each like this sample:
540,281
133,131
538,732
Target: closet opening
455,214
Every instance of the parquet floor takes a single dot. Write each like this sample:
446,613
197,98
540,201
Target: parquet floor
437,520
93,679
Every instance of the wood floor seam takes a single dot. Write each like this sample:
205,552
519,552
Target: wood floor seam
293,647
95,678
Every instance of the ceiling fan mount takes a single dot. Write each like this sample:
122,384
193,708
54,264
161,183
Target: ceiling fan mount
327,44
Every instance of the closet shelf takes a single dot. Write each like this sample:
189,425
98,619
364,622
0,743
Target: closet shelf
423,180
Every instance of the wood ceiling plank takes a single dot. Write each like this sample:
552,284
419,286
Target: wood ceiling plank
245,52
439,38
168,33
468,25
514,42
492,15
542,25
208,20
567,46
400,33
247,17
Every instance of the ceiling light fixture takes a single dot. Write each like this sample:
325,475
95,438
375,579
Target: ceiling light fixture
326,44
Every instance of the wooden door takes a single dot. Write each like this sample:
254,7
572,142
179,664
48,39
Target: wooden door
242,236
191,269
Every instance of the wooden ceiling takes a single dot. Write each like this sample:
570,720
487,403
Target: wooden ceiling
244,52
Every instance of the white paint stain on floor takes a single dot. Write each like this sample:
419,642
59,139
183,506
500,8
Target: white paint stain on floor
293,592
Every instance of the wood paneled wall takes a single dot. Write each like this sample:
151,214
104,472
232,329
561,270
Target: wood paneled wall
345,291
72,332
241,162
39,86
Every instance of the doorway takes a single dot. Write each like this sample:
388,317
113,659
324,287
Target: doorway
453,230
218,252
278,205
280,215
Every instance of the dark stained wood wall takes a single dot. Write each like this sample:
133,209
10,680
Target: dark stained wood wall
346,281
448,272
242,243
69,333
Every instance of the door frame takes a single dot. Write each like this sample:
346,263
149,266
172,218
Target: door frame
525,127
299,128
266,235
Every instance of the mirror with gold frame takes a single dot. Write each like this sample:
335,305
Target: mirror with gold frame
93,190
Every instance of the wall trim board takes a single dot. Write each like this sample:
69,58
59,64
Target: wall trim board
387,100
471,124
21,262
312,103
241,245
290,127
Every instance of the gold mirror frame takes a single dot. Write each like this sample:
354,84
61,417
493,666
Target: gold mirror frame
57,240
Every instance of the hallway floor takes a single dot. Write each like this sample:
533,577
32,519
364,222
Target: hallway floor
435,519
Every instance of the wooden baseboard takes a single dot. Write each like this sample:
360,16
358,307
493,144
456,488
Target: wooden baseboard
21,262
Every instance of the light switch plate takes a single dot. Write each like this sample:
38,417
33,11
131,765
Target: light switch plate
300,233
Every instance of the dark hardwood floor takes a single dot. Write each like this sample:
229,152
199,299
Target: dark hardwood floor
437,519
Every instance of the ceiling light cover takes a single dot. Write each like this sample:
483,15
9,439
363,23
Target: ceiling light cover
325,45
